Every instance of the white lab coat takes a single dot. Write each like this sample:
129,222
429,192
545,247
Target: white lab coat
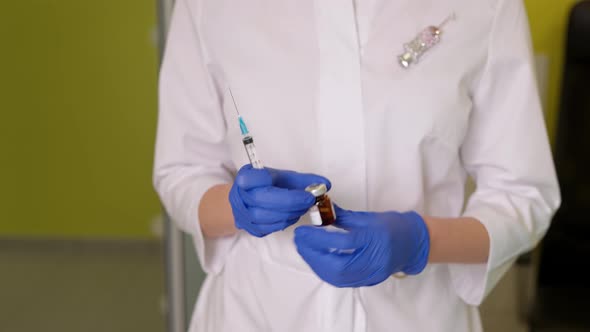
319,85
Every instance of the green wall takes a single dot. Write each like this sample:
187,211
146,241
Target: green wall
548,20
78,113
78,106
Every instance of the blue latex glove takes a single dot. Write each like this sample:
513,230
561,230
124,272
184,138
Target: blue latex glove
375,246
267,200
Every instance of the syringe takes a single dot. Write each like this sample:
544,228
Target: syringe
247,139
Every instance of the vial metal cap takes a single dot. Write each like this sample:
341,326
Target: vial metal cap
317,189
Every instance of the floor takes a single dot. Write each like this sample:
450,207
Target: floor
117,286
500,311
89,287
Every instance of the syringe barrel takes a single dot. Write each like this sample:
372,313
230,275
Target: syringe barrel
251,151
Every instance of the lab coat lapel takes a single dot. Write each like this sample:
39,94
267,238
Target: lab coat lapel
340,108
365,11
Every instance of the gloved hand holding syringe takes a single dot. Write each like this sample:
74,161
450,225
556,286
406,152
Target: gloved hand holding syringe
278,197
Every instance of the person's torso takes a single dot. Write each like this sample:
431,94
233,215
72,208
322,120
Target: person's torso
321,89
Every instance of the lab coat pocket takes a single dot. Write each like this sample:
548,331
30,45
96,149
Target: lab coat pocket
449,128
434,91
435,105
266,294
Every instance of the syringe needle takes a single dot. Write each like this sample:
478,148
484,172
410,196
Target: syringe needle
247,139
234,100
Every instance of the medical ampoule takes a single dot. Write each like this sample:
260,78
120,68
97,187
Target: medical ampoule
322,213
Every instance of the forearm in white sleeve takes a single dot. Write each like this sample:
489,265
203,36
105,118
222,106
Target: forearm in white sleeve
191,155
507,153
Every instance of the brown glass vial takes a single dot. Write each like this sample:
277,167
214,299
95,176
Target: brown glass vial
322,213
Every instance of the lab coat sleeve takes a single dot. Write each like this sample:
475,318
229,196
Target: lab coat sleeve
506,152
191,156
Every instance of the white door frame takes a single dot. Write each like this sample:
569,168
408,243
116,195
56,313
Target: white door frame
173,238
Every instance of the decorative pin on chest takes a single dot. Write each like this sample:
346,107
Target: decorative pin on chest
423,42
